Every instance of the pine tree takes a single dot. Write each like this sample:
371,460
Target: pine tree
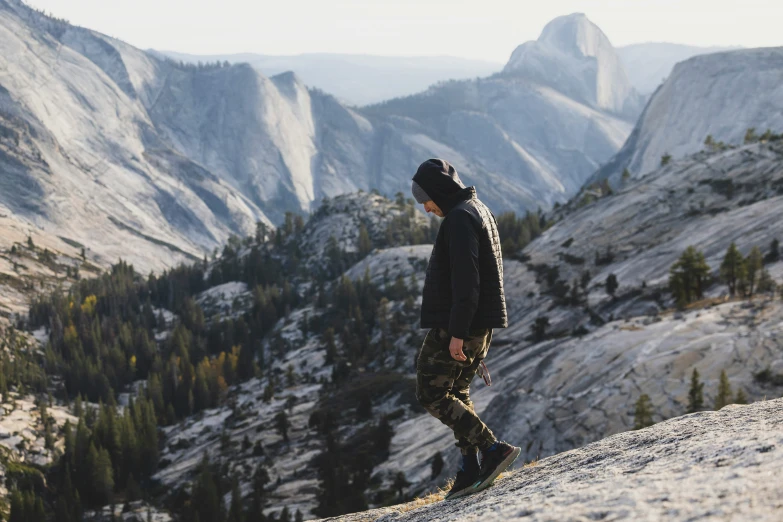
437,464
206,503
688,276
539,328
732,269
611,284
724,391
643,412
741,398
773,256
696,393
751,136
282,424
364,243
666,159
754,263
235,513
400,483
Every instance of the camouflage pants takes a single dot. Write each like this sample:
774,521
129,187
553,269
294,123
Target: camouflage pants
443,385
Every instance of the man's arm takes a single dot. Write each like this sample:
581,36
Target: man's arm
464,263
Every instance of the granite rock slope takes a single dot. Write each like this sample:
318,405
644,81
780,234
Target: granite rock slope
601,353
704,466
144,158
720,94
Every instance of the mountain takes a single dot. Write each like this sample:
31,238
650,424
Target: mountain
720,94
357,79
174,158
528,135
312,408
605,351
649,64
575,57
669,471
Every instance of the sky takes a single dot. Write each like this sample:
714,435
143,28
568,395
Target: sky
478,29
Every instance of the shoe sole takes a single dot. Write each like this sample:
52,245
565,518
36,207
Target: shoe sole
508,461
459,494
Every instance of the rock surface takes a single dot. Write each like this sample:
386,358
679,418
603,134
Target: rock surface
711,465
368,75
721,94
581,383
649,64
142,158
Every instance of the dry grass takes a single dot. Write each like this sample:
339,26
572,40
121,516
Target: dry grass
440,494
433,497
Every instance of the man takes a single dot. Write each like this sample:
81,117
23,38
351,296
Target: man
462,302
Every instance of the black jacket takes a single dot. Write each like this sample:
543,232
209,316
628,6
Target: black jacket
463,289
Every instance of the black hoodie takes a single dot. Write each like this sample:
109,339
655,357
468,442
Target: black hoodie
463,289
439,179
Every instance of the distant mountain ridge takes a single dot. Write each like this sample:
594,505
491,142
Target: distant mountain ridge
356,79
649,64
174,158
575,57
720,95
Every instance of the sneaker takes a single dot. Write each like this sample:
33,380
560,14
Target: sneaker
495,461
466,476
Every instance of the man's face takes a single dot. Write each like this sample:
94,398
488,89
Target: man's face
430,206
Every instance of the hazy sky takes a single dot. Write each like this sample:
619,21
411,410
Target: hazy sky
483,29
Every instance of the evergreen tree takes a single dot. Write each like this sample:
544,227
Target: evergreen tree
400,483
235,513
696,393
688,276
724,392
751,136
753,263
436,465
732,269
539,328
643,412
765,283
666,159
773,256
740,398
364,243
282,424
206,501
611,284
327,339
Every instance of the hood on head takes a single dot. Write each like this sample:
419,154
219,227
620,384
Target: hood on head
439,179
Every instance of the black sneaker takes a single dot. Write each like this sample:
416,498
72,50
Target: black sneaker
466,476
495,461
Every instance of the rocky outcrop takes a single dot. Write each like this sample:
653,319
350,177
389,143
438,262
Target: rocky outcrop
716,466
721,94
576,58
602,353
649,64
174,158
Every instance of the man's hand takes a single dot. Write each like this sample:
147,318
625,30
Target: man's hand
455,349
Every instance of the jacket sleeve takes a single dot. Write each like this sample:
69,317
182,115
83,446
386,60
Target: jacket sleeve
464,264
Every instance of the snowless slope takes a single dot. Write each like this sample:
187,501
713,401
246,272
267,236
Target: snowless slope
712,465
720,94
358,79
649,64
575,57
146,159
601,354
